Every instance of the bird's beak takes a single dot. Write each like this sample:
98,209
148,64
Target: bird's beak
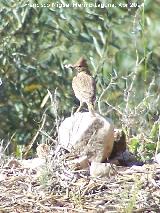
69,66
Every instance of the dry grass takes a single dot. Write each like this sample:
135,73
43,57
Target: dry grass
57,187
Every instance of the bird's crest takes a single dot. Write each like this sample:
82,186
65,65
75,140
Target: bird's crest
81,63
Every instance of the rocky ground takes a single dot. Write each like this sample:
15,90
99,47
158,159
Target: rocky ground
41,185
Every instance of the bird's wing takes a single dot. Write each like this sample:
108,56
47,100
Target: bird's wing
85,85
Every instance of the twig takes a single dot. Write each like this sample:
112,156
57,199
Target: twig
48,136
101,96
35,136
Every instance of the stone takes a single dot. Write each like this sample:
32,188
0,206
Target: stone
120,144
157,158
87,135
13,163
43,150
102,169
125,158
35,163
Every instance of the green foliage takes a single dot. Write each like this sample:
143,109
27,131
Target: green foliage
36,42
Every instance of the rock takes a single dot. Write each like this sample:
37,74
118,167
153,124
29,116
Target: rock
3,177
120,144
157,158
80,163
87,135
13,163
43,150
102,169
125,158
35,163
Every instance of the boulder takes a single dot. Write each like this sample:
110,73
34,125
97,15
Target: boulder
87,135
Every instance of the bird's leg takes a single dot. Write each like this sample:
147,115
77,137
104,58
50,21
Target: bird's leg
91,108
81,104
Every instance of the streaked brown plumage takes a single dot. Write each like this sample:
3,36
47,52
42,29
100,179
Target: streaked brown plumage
84,85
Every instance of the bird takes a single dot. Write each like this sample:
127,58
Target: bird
84,85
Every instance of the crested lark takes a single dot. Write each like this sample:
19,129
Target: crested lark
84,85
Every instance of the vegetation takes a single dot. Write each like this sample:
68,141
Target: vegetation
121,46
37,39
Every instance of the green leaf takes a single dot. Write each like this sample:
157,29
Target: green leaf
97,47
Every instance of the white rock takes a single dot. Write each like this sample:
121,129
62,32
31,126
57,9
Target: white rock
157,158
3,177
34,163
13,163
87,135
101,169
